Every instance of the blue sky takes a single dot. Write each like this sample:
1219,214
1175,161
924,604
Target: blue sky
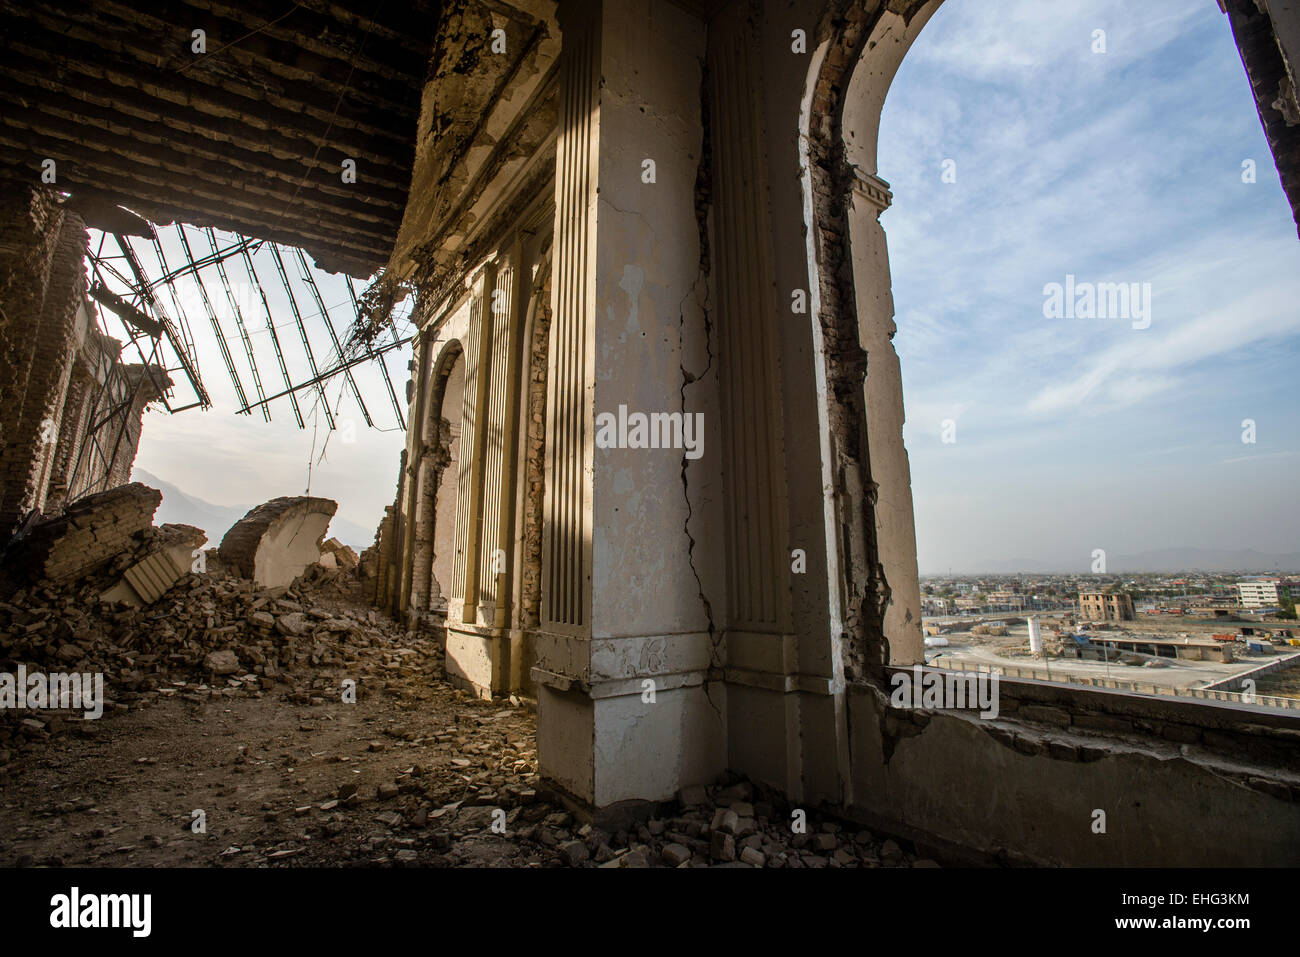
1076,434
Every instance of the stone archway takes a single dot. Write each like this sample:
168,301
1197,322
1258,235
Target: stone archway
861,49
437,447
442,492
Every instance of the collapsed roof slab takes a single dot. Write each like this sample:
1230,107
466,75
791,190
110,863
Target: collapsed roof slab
274,543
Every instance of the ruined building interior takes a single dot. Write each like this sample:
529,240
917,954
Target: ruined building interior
598,206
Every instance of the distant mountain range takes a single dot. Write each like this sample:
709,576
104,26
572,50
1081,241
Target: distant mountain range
215,520
1204,560
1161,560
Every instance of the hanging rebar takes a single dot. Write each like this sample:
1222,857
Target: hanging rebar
275,339
378,356
212,316
305,275
302,331
220,263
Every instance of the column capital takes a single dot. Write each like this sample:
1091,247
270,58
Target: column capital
873,189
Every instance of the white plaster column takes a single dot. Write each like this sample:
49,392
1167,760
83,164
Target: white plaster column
769,668
477,647
621,612
421,364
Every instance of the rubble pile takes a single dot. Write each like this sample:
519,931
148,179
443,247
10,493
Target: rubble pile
99,590
205,626
723,826
730,826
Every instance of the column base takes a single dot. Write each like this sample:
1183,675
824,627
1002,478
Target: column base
606,748
476,660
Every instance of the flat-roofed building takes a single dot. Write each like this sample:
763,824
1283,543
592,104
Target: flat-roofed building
1106,606
1266,592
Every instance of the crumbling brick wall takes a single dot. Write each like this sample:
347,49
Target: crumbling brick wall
42,282
535,463
91,533
72,430
58,373
142,384
387,559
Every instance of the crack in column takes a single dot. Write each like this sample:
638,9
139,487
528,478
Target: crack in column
703,197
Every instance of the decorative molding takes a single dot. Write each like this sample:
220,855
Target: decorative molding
748,310
873,189
566,535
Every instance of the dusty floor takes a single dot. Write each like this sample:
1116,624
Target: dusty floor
286,773
269,773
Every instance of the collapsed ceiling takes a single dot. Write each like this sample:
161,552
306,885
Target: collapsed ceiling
251,135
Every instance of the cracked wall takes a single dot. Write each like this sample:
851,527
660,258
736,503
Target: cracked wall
641,570
1180,784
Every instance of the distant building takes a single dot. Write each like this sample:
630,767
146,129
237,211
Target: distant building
1106,606
933,605
1006,601
1266,592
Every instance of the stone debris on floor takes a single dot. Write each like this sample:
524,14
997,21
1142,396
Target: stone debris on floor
231,698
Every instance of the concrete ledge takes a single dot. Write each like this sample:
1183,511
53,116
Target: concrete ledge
594,661
1180,784
787,684
624,687
1232,730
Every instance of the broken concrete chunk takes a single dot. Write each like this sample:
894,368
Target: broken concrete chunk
293,623
675,854
573,853
222,662
167,558
334,554
274,543
722,847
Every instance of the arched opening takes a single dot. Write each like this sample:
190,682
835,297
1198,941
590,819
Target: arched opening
445,424
952,749
1008,178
